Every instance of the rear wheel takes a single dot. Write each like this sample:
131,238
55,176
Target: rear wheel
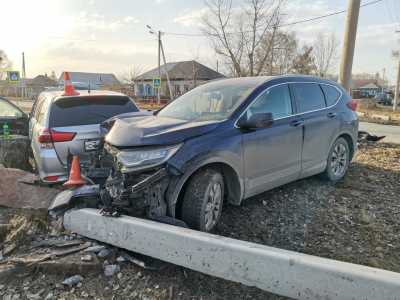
338,160
203,199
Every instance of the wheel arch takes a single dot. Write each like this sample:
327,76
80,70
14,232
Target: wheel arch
349,141
233,184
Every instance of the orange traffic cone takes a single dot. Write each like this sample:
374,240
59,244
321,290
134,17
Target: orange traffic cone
69,89
75,178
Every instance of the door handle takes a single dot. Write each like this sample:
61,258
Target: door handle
297,123
332,115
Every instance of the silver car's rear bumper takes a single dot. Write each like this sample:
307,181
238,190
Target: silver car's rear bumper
48,165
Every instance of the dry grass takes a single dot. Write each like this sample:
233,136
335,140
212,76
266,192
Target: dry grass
376,113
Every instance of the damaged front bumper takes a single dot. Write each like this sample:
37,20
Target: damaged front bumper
139,192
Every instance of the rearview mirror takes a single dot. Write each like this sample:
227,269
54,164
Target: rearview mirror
256,120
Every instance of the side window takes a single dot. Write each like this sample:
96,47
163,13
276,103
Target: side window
276,100
331,94
308,96
9,111
42,112
37,108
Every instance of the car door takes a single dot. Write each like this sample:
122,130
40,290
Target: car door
14,117
272,156
34,114
38,124
321,124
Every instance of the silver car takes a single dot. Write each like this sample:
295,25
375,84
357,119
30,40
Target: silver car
61,126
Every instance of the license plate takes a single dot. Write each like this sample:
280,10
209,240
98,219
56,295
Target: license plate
92,145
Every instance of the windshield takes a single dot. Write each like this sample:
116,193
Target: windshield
213,101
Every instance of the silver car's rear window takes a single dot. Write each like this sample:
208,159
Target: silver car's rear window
74,111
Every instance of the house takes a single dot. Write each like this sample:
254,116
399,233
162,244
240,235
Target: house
184,76
366,88
37,85
30,88
85,80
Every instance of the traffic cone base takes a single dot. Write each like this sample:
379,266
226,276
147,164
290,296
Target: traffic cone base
75,178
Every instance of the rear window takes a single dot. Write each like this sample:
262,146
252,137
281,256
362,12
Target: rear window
331,94
73,111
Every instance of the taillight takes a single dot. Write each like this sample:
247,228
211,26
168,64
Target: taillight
58,136
44,136
48,136
51,178
352,104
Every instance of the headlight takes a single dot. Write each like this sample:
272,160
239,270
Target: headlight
145,158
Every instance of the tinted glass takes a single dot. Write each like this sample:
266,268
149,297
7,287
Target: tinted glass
9,111
331,94
275,100
74,111
308,96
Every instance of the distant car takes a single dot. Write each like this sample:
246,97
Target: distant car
14,117
384,99
226,141
61,126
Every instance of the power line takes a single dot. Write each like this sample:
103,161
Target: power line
286,24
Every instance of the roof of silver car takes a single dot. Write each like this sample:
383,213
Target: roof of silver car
55,95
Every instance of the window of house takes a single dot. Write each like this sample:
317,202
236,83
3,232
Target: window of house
331,94
275,100
309,97
177,89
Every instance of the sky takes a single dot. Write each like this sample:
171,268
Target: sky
111,36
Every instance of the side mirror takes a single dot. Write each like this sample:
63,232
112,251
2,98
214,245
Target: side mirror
257,120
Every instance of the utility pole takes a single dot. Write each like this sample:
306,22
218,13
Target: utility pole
159,67
397,89
166,71
349,42
23,81
161,50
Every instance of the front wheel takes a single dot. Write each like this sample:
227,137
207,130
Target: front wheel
203,199
338,160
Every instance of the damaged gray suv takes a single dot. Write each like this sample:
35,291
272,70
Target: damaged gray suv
226,141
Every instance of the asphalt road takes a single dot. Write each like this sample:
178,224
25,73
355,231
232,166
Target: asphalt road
391,132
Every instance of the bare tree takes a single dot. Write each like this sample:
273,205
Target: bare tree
281,52
131,75
286,52
304,62
325,53
5,64
240,36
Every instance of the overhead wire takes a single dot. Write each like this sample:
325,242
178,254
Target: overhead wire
284,24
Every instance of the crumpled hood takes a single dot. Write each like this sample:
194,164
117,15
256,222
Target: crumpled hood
154,130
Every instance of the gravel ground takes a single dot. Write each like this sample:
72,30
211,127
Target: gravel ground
356,220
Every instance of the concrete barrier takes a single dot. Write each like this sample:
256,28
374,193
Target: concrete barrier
278,271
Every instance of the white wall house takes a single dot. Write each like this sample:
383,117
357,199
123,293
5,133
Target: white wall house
184,76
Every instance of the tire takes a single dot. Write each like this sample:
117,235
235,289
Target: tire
203,200
338,161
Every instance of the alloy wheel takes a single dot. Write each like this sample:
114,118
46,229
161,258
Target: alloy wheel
213,205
